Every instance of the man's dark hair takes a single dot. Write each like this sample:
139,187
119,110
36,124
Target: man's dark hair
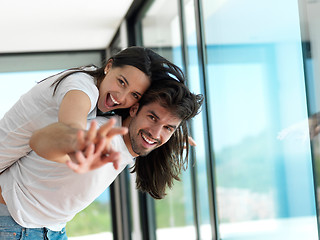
160,167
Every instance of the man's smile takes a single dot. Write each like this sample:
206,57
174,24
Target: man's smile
147,139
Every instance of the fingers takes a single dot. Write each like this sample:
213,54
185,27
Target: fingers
84,138
113,158
117,131
100,146
191,141
92,132
84,165
80,140
315,132
73,166
105,128
89,151
78,165
94,147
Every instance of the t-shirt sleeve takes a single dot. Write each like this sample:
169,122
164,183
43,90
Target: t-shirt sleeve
78,81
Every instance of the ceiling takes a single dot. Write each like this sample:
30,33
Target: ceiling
59,25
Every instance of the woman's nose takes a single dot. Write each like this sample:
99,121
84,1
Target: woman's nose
122,97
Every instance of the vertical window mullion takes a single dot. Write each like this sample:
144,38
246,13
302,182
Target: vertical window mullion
207,125
193,167
147,213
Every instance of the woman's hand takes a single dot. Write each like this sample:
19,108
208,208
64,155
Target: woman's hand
95,148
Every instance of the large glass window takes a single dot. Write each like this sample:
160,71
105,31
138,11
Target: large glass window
256,93
161,31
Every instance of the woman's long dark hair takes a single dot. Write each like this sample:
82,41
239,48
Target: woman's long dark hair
159,168
152,64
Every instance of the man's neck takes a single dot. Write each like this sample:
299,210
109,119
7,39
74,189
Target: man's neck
126,138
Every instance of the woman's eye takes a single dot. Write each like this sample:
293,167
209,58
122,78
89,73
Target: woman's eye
122,83
136,96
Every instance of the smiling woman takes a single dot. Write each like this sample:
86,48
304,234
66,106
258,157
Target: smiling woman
121,87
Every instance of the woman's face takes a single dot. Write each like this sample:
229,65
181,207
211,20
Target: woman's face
121,87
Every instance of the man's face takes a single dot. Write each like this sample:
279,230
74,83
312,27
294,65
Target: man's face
150,128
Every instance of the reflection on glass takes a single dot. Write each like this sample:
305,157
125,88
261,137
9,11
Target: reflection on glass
160,31
256,86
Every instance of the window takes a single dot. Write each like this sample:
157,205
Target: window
257,62
257,92
160,28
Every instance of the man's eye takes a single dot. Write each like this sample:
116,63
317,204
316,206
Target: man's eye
136,96
152,117
169,129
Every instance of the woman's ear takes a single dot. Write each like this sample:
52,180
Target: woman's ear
134,109
108,66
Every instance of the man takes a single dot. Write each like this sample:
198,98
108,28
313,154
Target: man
157,137
44,195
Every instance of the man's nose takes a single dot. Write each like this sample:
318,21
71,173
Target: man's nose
156,131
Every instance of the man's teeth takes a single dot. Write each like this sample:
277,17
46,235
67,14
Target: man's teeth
147,140
113,100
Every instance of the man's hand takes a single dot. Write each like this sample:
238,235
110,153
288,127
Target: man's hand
95,148
304,130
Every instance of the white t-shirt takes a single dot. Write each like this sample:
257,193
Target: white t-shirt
38,192
41,193
37,109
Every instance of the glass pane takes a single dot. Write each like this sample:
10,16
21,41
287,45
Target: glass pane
197,123
161,32
94,222
256,92
174,214
310,18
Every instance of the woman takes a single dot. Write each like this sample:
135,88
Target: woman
64,102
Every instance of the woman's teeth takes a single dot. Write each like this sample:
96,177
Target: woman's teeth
113,100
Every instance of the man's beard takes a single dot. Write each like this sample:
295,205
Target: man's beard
135,147
139,149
